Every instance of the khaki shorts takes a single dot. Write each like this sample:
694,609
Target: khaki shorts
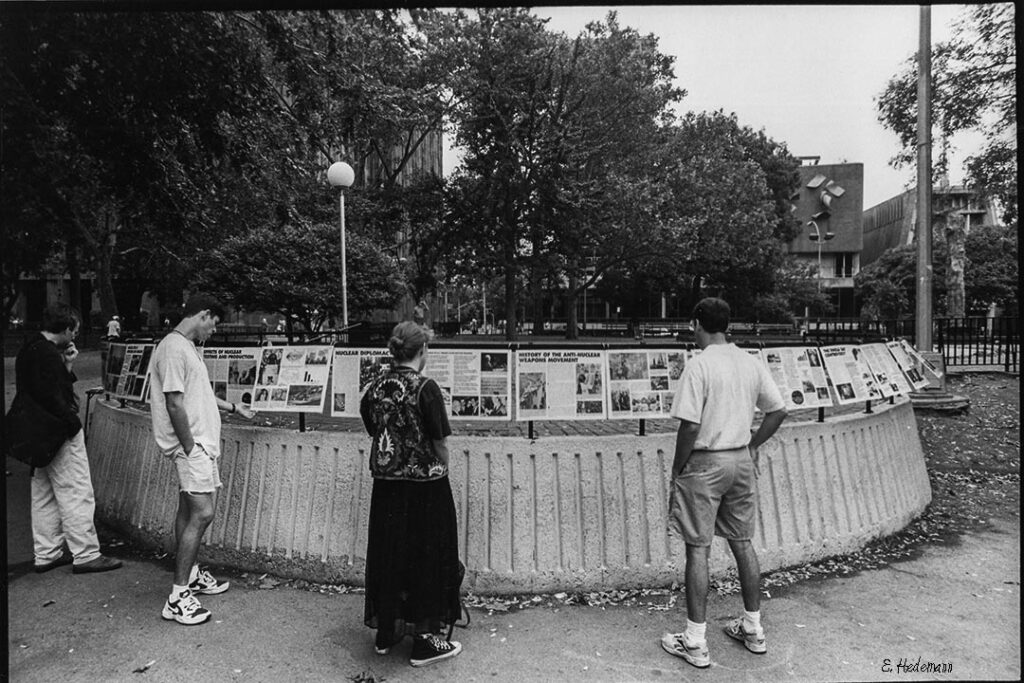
715,495
197,471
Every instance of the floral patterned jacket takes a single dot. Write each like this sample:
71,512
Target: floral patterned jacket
401,447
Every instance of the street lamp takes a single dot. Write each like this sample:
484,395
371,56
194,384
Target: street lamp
816,236
341,175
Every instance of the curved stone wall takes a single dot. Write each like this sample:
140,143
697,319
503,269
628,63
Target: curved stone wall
557,513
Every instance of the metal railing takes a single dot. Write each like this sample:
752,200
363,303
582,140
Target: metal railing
980,342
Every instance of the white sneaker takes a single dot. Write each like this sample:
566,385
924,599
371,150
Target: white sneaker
753,641
205,584
677,644
185,610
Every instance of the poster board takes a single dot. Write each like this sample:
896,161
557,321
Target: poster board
561,385
641,382
890,378
476,384
126,375
906,363
800,376
920,363
232,372
352,370
850,375
292,379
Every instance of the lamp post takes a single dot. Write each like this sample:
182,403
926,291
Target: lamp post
816,236
341,176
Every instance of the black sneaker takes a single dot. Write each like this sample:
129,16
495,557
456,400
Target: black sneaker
430,648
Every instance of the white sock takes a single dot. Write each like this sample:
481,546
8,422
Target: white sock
751,620
696,633
177,590
193,573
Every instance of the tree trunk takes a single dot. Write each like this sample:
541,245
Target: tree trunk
571,330
956,238
537,290
105,281
75,284
511,331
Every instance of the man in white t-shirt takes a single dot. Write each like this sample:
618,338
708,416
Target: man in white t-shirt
186,426
114,327
714,486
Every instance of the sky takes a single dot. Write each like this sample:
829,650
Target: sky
807,75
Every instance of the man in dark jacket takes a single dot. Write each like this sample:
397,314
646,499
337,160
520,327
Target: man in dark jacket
62,497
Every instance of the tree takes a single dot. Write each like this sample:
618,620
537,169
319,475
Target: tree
541,117
295,269
973,89
992,276
121,119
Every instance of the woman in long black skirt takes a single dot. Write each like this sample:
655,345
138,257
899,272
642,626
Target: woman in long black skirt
413,572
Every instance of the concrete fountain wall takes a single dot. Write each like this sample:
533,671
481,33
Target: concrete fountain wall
558,513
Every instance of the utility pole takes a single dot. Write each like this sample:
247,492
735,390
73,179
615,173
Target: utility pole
924,184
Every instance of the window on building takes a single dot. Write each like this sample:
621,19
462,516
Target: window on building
844,265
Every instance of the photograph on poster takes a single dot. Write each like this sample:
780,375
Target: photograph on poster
270,366
305,395
646,402
465,406
532,391
676,364
493,406
620,401
588,379
627,366
494,362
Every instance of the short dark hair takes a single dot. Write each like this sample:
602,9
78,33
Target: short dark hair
203,302
59,317
712,314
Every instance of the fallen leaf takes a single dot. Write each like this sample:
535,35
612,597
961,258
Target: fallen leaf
145,667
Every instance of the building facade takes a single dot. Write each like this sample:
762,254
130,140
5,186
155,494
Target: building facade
892,223
829,205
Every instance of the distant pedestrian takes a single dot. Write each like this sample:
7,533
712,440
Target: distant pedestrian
413,572
186,425
114,328
421,314
714,486
63,503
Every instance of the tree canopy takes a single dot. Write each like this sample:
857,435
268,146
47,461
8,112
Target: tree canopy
974,88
